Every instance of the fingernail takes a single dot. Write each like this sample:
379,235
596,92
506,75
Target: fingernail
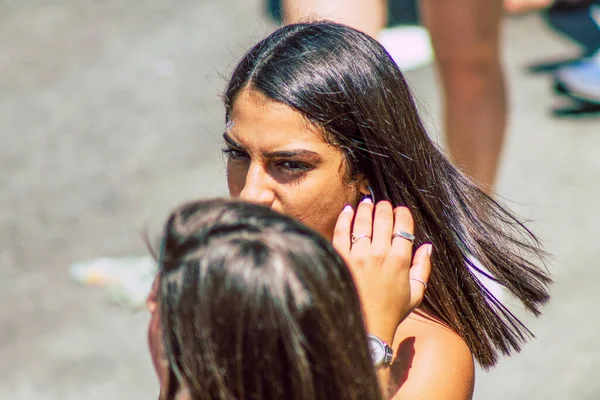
347,209
429,249
367,200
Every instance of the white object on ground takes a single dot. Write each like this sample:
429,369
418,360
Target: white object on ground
127,279
409,46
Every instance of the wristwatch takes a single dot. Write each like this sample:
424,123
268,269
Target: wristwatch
381,353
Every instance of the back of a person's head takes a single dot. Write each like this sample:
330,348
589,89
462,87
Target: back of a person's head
256,306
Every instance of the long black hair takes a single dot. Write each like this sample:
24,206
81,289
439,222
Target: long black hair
346,84
254,305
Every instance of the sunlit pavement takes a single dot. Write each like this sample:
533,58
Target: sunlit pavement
110,115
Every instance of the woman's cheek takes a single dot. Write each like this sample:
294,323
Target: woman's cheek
320,214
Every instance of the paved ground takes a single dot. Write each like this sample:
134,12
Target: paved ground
110,115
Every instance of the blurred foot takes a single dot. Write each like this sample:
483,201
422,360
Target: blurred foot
582,80
409,46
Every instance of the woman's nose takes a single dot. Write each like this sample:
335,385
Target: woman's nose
257,187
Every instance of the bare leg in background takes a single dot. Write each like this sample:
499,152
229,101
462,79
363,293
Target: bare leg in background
466,39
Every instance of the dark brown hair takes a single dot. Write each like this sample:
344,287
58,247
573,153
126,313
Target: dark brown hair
346,84
254,305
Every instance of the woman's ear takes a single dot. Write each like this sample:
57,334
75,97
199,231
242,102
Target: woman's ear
155,337
362,185
364,188
151,303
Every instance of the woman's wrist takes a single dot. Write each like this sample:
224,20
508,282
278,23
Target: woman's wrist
384,332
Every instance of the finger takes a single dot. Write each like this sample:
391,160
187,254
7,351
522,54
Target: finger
383,225
403,222
341,232
363,225
419,274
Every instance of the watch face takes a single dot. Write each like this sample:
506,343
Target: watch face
377,350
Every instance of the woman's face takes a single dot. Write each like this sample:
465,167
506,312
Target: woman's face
275,158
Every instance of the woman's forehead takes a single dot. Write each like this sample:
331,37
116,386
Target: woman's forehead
257,121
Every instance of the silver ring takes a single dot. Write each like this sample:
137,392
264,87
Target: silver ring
404,235
420,281
356,238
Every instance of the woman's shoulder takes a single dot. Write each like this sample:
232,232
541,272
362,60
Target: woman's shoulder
432,361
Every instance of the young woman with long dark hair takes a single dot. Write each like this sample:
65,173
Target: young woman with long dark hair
317,116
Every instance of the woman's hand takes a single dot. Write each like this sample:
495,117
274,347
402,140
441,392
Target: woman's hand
390,281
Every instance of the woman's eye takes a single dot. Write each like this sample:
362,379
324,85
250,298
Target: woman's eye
235,154
294,167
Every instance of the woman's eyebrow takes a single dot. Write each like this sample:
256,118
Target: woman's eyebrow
291,153
276,154
230,141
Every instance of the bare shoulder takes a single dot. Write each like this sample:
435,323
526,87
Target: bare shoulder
432,362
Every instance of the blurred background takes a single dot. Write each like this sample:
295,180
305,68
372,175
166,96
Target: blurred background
110,115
